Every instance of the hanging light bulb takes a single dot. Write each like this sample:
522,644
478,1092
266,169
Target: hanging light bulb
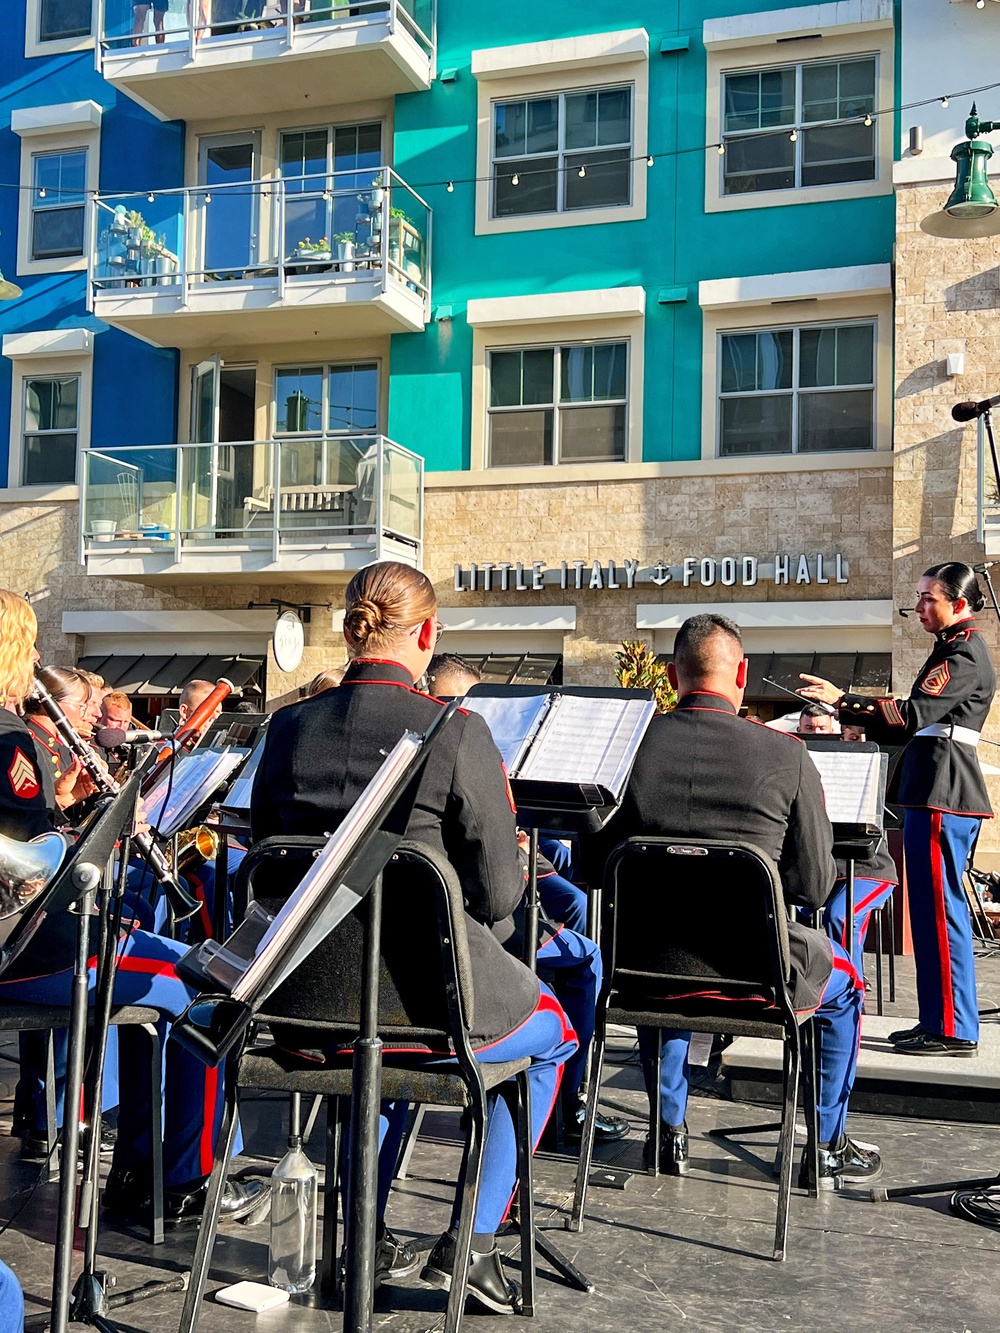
868,118
980,4
793,137
582,172
451,187
41,193
515,179
149,197
327,196
208,198
722,150
944,101
649,160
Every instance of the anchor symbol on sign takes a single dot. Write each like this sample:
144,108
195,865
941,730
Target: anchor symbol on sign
661,574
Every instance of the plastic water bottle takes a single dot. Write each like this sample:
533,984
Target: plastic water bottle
291,1262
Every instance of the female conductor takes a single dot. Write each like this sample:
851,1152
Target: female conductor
939,784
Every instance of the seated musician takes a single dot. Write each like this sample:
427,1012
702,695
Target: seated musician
43,974
567,959
815,720
701,771
319,755
192,696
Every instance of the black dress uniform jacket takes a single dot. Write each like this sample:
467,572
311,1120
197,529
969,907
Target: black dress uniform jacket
24,802
321,753
704,772
955,685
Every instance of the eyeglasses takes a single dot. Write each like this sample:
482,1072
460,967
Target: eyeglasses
439,629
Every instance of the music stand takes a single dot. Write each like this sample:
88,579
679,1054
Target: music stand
569,751
263,953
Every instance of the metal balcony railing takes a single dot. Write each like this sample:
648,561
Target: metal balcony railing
348,226
192,23
295,493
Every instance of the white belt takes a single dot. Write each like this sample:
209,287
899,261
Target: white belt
952,733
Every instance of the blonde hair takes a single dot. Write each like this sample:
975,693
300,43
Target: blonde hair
95,681
18,628
325,680
381,602
116,698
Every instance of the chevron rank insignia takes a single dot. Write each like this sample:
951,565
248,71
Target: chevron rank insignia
936,679
891,715
22,776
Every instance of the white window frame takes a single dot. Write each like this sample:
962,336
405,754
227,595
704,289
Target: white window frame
28,378
324,434
796,389
755,57
500,166
763,316
34,47
556,347
798,126
29,367
567,65
40,145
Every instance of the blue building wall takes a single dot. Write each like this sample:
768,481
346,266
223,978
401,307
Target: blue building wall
134,387
678,244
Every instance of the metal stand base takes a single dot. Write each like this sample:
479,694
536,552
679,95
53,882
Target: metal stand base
552,1255
940,1187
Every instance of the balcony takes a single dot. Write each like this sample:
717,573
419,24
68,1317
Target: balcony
207,58
260,511
248,262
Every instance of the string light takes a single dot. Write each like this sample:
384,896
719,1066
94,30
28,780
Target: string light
41,193
451,187
582,172
793,137
722,150
649,160
868,118
980,4
208,198
515,179
149,198
944,101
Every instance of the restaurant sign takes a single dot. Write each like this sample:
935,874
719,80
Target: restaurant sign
745,571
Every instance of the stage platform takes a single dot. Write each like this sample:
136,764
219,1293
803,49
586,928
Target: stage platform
665,1254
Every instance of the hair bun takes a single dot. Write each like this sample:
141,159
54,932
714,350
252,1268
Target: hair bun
364,619
977,600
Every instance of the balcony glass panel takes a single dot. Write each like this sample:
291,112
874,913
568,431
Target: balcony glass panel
128,24
324,227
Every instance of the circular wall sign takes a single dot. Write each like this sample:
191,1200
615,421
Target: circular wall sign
288,641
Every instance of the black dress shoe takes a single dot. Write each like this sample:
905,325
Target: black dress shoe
609,1129
394,1258
35,1149
673,1151
904,1034
129,1194
842,1162
926,1043
487,1283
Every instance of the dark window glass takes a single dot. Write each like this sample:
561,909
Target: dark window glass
759,162
837,355
58,19
521,439
606,184
760,425
57,204
759,100
51,407
536,191
353,398
592,434
873,672
834,421
298,397
592,373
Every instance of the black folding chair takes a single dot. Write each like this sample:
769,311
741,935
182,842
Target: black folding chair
425,1000
695,937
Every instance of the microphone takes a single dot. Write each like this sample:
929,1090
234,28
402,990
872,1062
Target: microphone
968,411
110,738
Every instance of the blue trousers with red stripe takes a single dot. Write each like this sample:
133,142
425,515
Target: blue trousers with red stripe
937,847
192,1093
547,1039
563,901
869,896
572,964
838,1023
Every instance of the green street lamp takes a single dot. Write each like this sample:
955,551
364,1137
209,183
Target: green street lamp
972,209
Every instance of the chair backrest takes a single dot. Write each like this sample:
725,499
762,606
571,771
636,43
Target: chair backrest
691,915
425,976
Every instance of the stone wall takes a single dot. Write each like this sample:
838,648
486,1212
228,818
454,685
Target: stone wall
947,300
843,509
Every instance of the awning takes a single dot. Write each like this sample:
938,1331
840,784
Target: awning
151,674
517,668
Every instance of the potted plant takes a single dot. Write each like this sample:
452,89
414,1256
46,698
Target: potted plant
376,196
343,244
313,250
638,667
136,227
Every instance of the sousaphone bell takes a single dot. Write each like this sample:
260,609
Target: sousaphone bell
26,871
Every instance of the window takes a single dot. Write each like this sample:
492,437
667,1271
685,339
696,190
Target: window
60,19
563,152
58,184
335,405
797,390
798,126
558,405
51,425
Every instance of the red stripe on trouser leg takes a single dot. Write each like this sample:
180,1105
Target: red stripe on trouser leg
199,892
941,926
206,1144
157,967
845,965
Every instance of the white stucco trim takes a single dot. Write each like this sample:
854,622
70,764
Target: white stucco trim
167,622
921,170
768,25
496,619
60,118
48,342
769,615
817,283
557,307
565,53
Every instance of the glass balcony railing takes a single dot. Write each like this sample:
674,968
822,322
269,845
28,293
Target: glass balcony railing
349,226
185,499
194,22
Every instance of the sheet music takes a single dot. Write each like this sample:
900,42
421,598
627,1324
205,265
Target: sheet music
196,776
513,721
851,785
588,740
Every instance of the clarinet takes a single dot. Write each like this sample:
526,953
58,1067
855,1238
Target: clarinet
182,904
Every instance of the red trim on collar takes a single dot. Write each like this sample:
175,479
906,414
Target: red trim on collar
410,689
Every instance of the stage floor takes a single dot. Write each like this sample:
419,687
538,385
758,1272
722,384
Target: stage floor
664,1254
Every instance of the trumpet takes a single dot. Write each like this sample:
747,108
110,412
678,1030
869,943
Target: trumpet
182,904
